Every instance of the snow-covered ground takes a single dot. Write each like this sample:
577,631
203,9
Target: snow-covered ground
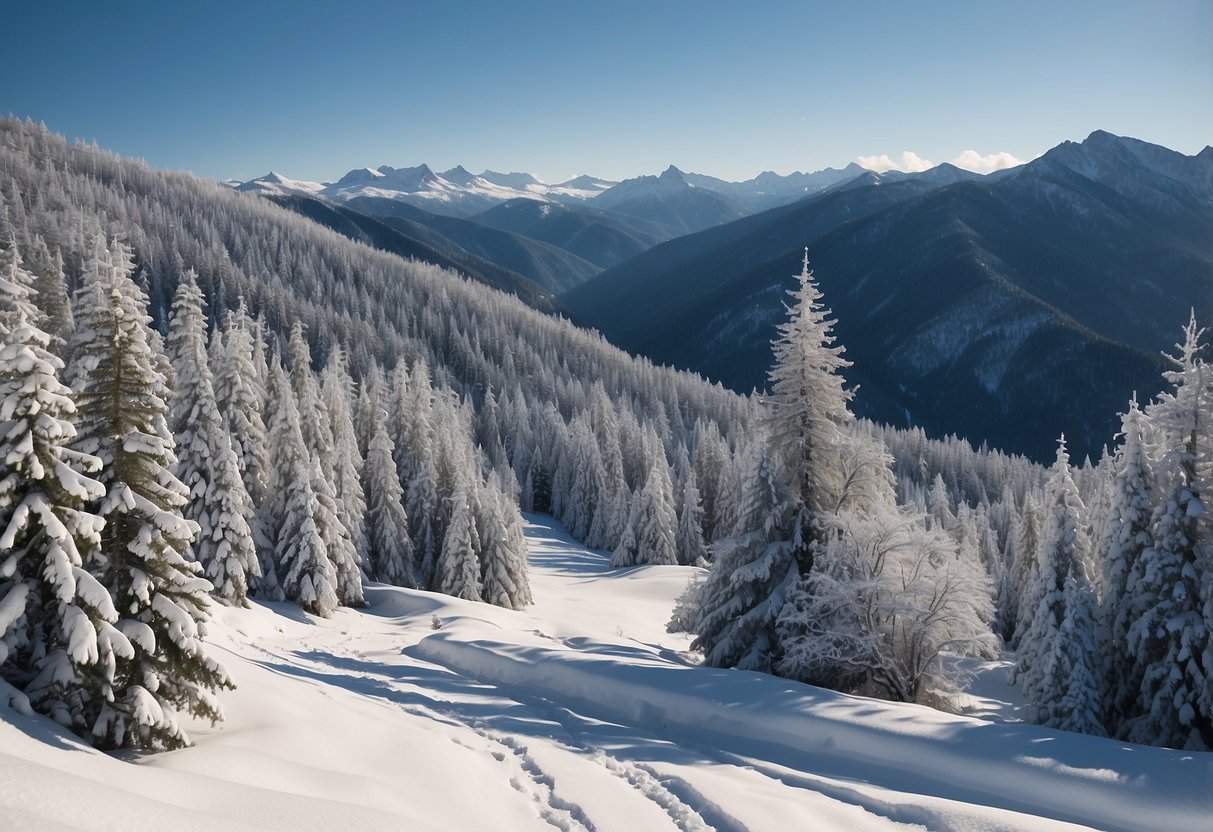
583,714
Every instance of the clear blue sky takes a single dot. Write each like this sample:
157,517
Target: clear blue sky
613,88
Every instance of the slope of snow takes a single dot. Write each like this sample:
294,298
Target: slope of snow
580,714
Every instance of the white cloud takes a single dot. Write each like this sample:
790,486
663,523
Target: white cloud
909,162
974,161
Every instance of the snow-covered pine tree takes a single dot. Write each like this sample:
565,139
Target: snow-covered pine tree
806,406
1025,571
710,458
241,399
587,478
368,412
751,573
314,420
627,509
1075,702
1063,540
50,286
159,594
347,568
58,642
691,549
206,463
302,566
391,549
1133,500
458,569
656,521
505,580
336,390
16,290
1170,639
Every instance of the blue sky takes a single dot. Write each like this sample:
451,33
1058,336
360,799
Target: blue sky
615,89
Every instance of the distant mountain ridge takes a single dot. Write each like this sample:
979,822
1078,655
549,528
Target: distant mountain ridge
664,198
594,220
1008,308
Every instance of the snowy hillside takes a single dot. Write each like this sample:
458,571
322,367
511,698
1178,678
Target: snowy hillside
582,714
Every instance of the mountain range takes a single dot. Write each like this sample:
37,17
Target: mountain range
1009,308
677,202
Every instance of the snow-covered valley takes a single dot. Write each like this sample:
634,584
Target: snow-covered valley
581,713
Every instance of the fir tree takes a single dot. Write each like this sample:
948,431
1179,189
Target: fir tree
458,572
1132,507
691,549
160,595
808,403
241,399
505,579
1063,541
206,463
656,520
752,573
57,636
303,569
347,459
391,550
1170,639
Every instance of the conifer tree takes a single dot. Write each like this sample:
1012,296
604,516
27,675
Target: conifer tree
314,419
656,521
347,570
16,290
808,403
206,463
458,571
241,399
1063,540
391,549
1076,697
1026,571
1132,507
302,565
57,637
347,459
505,578
159,594
1170,639
752,573
691,548
51,296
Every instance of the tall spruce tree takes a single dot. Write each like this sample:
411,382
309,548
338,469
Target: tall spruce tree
807,404
1170,639
58,642
752,573
505,581
302,566
458,570
160,595
1134,496
206,463
391,549
1063,540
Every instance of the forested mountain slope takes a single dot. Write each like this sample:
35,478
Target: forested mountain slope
605,238
553,268
1008,309
417,242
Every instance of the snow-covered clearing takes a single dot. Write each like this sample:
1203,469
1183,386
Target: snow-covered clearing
581,714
